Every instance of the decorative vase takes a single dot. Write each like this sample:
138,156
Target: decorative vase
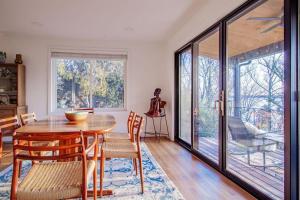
18,59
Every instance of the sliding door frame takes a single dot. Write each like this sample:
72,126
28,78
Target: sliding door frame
291,100
201,37
177,93
291,153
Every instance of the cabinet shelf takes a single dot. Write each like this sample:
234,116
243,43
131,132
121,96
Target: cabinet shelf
12,85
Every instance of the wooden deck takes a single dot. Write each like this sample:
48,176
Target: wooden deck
269,181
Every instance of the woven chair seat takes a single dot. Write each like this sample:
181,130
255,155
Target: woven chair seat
116,137
120,150
55,180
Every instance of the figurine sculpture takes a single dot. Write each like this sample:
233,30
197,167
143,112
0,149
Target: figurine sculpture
157,110
156,105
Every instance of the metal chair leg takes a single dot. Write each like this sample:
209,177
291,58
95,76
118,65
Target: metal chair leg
159,129
167,126
248,156
154,127
264,160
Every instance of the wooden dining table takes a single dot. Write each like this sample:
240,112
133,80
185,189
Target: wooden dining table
59,124
94,123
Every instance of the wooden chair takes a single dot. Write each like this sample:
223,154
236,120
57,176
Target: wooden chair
27,118
120,137
7,127
123,137
89,110
31,117
65,177
128,149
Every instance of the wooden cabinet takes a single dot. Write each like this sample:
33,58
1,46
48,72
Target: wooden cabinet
12,90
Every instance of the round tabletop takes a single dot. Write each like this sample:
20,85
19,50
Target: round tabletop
58,124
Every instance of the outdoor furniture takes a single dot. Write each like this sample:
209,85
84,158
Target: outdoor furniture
54,179
251,142
59,125
131,150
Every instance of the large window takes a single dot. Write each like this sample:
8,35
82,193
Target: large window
88,80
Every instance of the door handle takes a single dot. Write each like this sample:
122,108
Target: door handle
220,103
222,99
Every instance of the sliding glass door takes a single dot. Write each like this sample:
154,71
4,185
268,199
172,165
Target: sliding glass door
237,97
255,97
185,95
206,96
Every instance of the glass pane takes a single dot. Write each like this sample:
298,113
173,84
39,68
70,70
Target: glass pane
185,92
206,96
255,93
82,83
72,79
108,83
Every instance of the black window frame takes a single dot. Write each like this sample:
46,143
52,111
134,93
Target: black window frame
291,71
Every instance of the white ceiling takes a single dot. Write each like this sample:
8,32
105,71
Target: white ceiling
135,20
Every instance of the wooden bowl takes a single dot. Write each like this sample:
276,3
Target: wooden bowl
76,115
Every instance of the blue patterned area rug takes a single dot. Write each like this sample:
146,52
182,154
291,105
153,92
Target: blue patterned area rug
120,177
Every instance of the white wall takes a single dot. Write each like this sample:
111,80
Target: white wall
144,64
150,65
202,19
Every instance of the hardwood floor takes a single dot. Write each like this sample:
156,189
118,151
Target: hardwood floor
7,156
194,178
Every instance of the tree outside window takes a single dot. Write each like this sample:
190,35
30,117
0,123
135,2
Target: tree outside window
89,82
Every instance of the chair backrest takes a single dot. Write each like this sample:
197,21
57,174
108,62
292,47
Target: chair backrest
27,118
9,125
238,129
71,146
89,110
130,120
136,129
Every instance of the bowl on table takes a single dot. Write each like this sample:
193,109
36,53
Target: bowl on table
76,116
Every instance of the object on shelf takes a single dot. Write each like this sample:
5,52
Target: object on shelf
18,59
5,72
12,81
2,57
4,99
